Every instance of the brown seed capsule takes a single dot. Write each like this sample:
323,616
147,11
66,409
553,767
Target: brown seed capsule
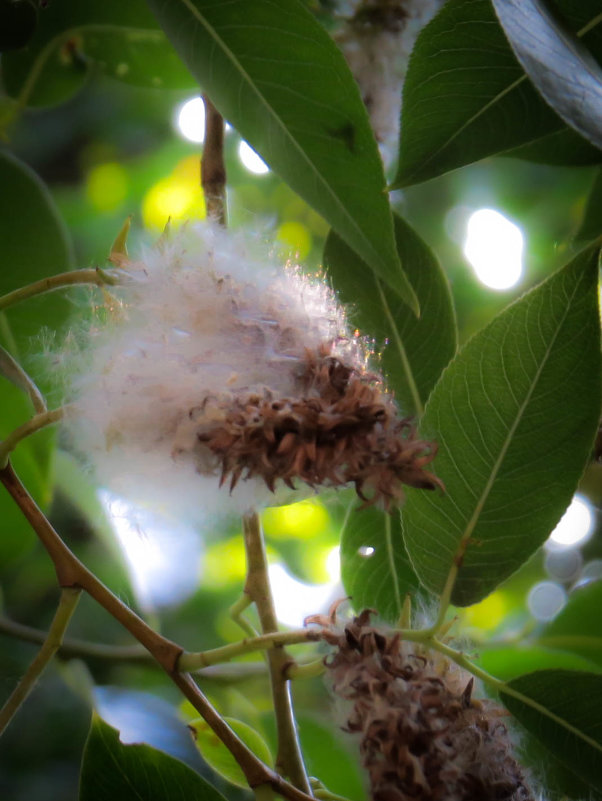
422,735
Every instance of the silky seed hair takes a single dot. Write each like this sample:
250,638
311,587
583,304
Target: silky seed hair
215,377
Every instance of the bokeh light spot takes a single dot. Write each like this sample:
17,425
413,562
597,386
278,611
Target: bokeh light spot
489,613
494,248
225,563
574,527
251,160
107,186
295,600
296,237
546,599
303,520
178,197
163,557
190,120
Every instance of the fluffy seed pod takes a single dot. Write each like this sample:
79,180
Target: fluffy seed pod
422,735
217,366
376,40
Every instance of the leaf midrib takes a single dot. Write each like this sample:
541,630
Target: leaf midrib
249,82
483,110
471,525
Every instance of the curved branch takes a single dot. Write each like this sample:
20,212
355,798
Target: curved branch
52,641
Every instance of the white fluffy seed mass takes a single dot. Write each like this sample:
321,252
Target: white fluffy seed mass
208,316
377,39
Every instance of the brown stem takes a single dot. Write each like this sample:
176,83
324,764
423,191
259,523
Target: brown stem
73,573
256,772
257,586
213,169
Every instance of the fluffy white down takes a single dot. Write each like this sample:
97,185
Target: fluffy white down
378,58
211,314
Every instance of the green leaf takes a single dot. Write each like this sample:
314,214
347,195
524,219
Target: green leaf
515,414
418,348
215,753
564,148
112,770
18,20
559,66
326,756
591,226
466,96
511,661
33,463
375,568
276,75
563,710
35,245
578,627
122,39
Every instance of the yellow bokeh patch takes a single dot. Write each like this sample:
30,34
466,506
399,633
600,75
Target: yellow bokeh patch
107,186
179,196
489,613
225,563
296,237
303,520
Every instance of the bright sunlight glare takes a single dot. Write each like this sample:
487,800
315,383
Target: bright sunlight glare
162,558
190,119
251,160
295,600
494,248
574,527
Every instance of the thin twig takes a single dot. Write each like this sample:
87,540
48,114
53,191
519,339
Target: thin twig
66,607
257,586
73,573
71,647
27,429
94,276
213,169
12,370
193,661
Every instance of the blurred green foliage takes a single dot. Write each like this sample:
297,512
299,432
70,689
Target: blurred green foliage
112,149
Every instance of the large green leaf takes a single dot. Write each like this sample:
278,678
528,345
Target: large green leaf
215,753
375,568
276,75
466,96
559,66
511,661
32,461
591,226
515,415
563,147
35,245
112,770
122,39
418,348
329,757
578,627
563,710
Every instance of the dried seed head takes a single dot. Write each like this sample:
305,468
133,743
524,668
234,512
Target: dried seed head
422,735
221,367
